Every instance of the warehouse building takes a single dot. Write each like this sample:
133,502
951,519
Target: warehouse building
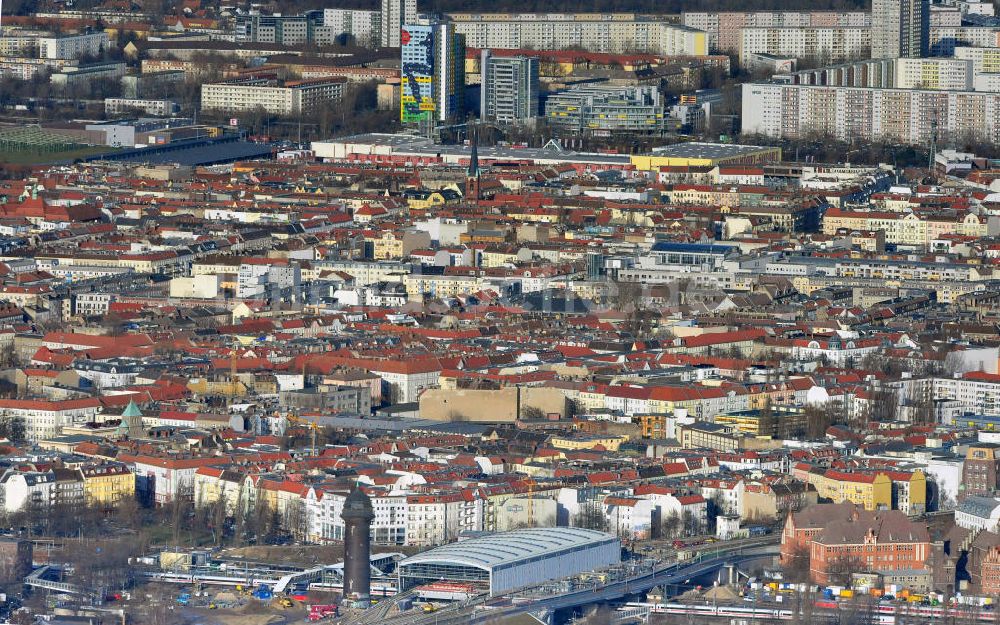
509,560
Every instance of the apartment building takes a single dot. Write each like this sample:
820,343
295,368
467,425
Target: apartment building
18,43
119,106
160,481
323,509
765,501
45,419
443,285
868,114
595,32
630,517
936,74
509,92
984,60
939,74
26,69
107,484
981,470
728,493
367,272
677,40
943,40
395,14
907,228
909,491
900,28
824,44
433,66
228,488
403,382
438,519
725,29
72,46
872,491
300,97
362,27
977,392
603,110
38,490
286,30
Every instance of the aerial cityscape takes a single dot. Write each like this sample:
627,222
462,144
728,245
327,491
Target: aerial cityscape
447,312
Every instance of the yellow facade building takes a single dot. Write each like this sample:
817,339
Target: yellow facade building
107,484
872,491
590,441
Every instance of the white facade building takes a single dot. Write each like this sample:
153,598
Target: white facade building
826,44
615,33
364,27
289,98
978,513
45,419
394,15
438,519
72,46
323,510
867,114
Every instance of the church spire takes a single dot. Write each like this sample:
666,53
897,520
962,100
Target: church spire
474,158
472,192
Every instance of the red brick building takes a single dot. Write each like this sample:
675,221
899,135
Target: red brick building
843,534
989,573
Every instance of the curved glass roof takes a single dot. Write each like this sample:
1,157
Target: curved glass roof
506,548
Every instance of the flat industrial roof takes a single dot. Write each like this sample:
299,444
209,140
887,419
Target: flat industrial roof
410,144
381,138
510,153
708,150
509,548
204,154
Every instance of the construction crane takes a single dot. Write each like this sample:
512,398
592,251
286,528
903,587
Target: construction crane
531,503
307,423
234,356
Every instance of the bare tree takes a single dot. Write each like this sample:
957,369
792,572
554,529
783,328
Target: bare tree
796,566
690,524
715,507
883,404
532,413
766,422
591,516
840,569
671,525
818,419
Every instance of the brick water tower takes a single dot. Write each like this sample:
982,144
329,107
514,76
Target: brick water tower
358,515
